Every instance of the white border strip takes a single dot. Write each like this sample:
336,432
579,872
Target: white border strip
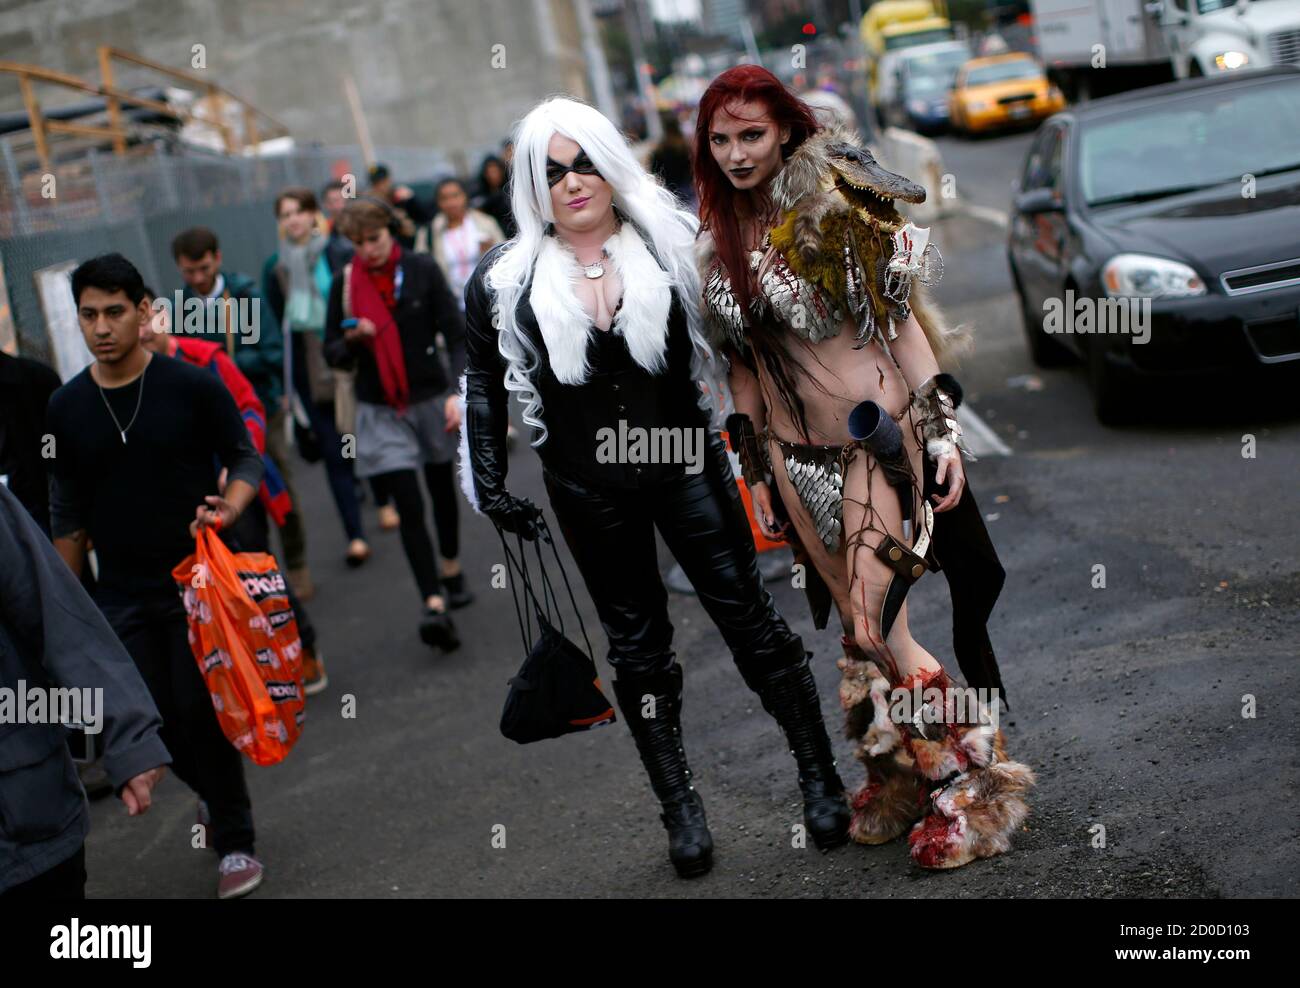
980,437
986,213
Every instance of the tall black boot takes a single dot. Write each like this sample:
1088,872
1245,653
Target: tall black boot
659,742
789,693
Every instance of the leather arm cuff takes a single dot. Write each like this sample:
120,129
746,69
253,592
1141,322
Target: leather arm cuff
744,441
936,402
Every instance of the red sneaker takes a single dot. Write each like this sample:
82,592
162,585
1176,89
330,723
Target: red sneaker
239,874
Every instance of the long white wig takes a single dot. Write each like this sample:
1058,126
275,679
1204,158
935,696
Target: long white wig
667,230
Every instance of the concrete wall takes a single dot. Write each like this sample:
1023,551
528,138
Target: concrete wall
423,67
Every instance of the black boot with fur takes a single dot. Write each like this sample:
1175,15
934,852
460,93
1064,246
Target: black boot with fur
658,738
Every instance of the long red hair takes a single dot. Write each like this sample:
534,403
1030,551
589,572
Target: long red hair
717,196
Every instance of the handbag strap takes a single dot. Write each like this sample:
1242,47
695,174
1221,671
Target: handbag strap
541,606
522,615
546,534
549,600
547,606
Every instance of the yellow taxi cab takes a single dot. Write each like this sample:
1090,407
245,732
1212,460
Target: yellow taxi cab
1000,91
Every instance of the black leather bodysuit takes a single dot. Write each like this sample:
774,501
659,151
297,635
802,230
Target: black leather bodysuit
609,511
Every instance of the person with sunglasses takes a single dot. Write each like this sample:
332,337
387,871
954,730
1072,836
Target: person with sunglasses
590,316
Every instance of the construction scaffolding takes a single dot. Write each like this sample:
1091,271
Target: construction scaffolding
212,110
129,170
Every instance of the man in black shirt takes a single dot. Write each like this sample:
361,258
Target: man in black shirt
139,440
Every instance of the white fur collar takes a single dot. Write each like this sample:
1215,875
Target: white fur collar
565,326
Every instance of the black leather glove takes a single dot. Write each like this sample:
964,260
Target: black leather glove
487,458
516,515
487,414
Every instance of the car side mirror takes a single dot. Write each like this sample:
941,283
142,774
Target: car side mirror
1038,201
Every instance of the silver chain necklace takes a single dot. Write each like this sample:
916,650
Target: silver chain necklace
596,269
138,399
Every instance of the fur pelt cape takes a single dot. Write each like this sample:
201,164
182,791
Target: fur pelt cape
830,202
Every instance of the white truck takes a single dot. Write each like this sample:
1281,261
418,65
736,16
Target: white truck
1096,47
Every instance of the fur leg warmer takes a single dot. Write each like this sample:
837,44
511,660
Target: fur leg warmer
891,798
977,795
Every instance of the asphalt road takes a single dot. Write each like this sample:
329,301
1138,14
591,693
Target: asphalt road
1127,700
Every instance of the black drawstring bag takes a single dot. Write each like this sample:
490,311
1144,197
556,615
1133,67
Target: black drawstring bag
557,689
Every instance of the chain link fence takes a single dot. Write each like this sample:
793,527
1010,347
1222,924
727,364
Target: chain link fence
135,205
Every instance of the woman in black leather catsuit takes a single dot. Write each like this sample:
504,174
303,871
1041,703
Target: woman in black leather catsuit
534,327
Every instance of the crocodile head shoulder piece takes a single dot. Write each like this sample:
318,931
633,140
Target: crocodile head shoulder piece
834,160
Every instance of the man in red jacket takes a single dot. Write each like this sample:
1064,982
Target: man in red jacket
251,530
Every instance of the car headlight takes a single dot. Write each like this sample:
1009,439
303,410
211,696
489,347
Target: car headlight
1227,60
917,106
1144,276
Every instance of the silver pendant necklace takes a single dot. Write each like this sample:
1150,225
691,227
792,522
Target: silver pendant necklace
138,399
596,269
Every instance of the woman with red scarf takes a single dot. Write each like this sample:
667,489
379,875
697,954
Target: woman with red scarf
386,308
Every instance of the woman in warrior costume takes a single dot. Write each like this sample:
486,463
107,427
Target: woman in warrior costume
812,289
591,316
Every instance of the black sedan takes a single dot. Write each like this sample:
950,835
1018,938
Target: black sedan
1158,232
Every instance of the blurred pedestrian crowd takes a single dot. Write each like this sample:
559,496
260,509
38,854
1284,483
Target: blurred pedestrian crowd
346,348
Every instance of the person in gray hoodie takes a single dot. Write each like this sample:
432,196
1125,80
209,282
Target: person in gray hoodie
53,637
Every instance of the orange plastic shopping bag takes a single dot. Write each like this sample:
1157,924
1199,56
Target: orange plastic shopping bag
245,640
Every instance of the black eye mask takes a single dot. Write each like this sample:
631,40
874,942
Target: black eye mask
555,171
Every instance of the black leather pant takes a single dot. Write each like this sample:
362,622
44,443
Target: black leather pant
702,519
